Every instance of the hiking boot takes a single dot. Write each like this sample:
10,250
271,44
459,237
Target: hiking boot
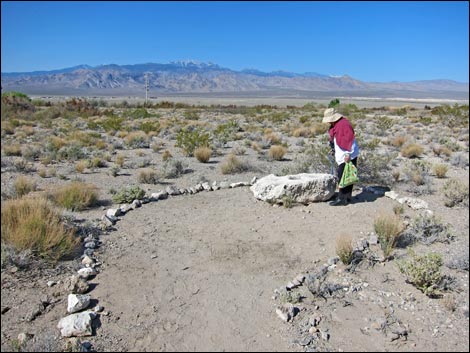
340,201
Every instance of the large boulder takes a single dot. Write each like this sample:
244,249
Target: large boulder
302,188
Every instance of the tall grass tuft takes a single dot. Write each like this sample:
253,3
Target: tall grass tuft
388,229
344,248
75,196
34,224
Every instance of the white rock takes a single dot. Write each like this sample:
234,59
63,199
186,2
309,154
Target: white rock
76,325
302,188
77,302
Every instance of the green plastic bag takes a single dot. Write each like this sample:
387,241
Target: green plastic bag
349,176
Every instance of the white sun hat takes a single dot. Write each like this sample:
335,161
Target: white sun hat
331,115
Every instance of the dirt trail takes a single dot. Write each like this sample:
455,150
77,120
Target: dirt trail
195,273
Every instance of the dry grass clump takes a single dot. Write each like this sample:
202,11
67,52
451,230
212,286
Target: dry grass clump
119,160
344,248
232,165
12,150
272,138
388,228
398,141
203,154
23,185
81,165
147,176
75,196
277,152
440,170
412,150
33,224
166,155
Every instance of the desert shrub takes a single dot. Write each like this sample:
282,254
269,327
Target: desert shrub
313,160
456,193
147,176
439,150
418,172
72,152
226,132
288,201
137,139
459,160
344,248
428,229
34,224
16,105
423,272
128,195
12,150
384,124
277,152
290,297
333,103
398,141
97,162
412,150
452,116
232,165
271,138
150,126
23,185
173,168
139,113
75,196
114,170
166,155
188,140
373,167
388,229
119,160
440,170
203,154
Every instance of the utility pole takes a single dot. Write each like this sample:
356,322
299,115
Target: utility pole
146,87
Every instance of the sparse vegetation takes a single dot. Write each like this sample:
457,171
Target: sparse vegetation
34,224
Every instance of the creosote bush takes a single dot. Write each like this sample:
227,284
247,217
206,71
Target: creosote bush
34,224
75,196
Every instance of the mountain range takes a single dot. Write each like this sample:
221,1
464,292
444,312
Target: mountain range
196,78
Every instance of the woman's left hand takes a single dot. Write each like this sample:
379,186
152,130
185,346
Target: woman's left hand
347,158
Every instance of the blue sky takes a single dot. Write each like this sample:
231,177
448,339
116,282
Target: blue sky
371,41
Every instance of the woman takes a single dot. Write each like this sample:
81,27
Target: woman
343,147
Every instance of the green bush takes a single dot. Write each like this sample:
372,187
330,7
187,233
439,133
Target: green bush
188,140
423,272
129,194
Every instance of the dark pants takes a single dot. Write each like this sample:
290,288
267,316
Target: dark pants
348,189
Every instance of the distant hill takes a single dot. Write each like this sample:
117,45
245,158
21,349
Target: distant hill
189,77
